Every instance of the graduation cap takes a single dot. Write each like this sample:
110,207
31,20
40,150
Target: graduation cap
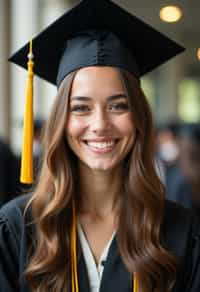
94,32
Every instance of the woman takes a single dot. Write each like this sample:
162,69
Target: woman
97,220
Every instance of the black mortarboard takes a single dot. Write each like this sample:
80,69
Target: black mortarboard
97,32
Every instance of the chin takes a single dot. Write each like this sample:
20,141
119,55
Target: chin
102,166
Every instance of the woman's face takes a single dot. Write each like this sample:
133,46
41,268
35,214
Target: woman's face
99,129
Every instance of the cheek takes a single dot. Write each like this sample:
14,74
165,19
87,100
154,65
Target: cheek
126,126
74,127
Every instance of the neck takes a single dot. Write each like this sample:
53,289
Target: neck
100,191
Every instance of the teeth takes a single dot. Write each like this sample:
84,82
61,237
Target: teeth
101,144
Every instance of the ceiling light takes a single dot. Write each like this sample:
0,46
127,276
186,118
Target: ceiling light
170,13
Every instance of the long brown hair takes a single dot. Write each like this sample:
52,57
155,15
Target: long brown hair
141,213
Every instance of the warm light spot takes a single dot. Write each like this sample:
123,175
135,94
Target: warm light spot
170,13
198,54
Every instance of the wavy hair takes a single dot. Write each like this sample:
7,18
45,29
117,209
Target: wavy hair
141,210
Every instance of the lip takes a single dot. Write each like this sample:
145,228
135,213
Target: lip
103,139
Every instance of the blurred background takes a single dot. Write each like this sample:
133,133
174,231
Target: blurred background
173,89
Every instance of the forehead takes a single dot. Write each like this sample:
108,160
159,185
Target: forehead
98,80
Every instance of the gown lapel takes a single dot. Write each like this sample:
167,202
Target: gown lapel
83,279
115,276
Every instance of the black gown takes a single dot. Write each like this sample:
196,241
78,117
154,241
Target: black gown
9,187
180,235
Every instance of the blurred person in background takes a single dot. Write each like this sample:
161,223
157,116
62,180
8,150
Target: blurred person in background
166,140
8,173
37,142
166,149
184,184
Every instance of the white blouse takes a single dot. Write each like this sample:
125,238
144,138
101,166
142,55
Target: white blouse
94,272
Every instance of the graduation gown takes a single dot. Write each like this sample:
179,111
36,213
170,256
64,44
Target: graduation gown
180,235
8,174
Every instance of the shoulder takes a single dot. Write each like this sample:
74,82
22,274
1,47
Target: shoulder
12,213
15,206
180,227
178,216
181,236
14,243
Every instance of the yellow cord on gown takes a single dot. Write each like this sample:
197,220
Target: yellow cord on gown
135,283
74,273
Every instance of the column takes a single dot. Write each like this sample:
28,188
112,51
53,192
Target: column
4,52
50,11
168,78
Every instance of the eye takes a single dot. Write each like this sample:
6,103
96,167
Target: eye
119,106
79,108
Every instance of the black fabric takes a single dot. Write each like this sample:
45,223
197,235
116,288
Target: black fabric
111,37
8,174
95,48
180,235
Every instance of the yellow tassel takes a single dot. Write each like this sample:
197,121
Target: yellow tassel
26,175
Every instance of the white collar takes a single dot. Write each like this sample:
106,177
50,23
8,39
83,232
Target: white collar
94,272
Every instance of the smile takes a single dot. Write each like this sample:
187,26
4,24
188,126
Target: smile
101,147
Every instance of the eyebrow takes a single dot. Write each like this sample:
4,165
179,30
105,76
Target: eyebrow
109,98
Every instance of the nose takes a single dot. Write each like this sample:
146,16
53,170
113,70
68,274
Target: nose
100,123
